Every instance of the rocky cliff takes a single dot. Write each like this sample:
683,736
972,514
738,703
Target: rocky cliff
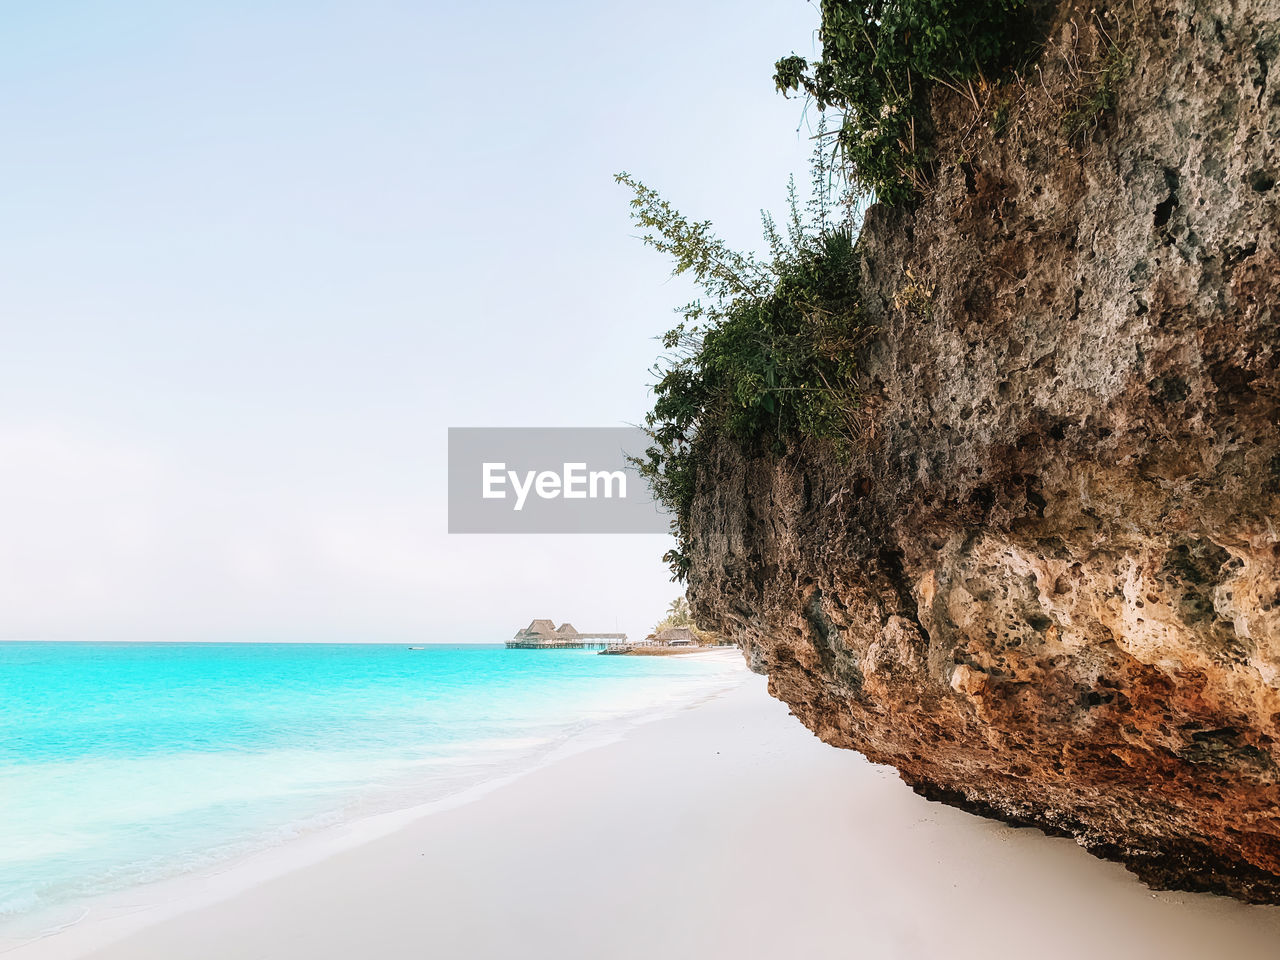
1045,585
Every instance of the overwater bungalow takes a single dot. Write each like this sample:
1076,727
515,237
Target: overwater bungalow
544,635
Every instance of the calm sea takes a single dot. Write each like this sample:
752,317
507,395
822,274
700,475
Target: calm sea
123,763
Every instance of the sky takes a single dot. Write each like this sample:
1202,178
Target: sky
255,259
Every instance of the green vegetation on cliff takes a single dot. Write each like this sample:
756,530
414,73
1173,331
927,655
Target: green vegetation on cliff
766,357
880,60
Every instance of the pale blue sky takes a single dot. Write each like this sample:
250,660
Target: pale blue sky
256,258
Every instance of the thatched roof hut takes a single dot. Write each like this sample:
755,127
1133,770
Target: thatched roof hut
538,630
675,637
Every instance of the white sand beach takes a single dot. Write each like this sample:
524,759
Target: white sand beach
725,831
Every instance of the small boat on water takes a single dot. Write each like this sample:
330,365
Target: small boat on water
417,648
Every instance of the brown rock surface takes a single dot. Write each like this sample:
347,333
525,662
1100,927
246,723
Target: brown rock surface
1046,586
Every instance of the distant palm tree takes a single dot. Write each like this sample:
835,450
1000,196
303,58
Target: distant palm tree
678,613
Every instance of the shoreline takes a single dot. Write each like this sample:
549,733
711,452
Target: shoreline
723,829
642,651
108,917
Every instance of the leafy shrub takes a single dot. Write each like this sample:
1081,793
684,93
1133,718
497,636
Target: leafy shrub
767,357
879,61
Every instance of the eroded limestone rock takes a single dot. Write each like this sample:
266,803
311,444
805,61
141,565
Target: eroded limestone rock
1046,586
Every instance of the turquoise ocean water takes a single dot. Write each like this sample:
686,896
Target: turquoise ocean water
123,764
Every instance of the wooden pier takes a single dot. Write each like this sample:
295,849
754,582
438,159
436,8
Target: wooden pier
619,648
590,644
